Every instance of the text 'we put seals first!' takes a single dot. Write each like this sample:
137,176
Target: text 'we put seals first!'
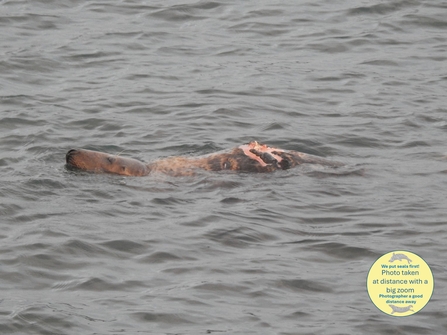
400,283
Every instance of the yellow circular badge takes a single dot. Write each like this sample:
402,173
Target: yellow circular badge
400,283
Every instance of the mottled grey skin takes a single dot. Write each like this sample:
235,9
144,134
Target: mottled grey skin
399,257
258,159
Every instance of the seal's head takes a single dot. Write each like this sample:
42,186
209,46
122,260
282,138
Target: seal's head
95,161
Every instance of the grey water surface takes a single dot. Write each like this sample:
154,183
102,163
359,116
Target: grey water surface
362,82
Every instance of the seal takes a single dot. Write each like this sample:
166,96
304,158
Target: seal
100,162
398,309
399,257
251,157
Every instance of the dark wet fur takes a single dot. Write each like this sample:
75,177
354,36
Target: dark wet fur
235,161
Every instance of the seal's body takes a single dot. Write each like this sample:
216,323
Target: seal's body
399,257
399,309
252,157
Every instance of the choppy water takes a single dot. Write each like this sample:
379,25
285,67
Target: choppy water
361,82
